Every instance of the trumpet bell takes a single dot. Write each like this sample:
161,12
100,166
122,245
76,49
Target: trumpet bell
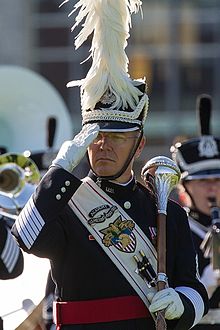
19,176
11,178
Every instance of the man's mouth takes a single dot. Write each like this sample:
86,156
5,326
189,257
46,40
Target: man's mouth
104,159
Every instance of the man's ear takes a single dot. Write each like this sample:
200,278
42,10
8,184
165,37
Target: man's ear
140,147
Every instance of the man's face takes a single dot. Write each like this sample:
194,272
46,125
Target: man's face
109,152
202,190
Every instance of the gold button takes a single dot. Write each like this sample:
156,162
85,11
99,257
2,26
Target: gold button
58,197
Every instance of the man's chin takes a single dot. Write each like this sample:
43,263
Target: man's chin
104,172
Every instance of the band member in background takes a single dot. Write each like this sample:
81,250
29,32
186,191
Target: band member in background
91,229
199,161
11,257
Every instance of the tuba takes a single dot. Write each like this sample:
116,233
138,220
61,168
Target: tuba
19,176
35,100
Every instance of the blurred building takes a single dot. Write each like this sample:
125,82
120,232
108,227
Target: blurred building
176,46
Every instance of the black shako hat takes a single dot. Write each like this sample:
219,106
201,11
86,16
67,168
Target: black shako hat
109,96
199,158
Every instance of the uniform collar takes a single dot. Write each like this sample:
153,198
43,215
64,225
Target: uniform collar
112,188
200,217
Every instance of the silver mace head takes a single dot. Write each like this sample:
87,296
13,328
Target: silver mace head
166,175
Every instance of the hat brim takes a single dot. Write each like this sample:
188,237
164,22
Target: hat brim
205,174
114,126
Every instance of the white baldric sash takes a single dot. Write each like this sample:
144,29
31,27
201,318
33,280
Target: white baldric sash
115,231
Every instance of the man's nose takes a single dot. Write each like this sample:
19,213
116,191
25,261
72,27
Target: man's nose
103,141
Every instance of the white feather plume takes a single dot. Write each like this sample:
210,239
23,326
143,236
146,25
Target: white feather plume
109,21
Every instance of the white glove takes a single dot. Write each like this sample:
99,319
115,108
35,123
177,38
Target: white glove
71,152
169,300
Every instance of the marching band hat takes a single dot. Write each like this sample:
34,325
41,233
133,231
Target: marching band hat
199,158
113,118
109,96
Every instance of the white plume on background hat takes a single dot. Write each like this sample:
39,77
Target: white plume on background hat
107,92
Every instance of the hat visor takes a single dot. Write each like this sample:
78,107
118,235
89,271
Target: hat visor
205,174
114,126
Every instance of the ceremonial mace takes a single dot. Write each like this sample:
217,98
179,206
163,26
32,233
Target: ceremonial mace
162,175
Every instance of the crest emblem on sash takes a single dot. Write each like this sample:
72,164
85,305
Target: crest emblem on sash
120,235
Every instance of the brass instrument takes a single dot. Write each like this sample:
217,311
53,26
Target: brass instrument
18,178
210,247
34,101
215,215
211,243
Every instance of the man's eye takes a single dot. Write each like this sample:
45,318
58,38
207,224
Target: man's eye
118,138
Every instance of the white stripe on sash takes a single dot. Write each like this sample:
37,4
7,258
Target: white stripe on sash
102,216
